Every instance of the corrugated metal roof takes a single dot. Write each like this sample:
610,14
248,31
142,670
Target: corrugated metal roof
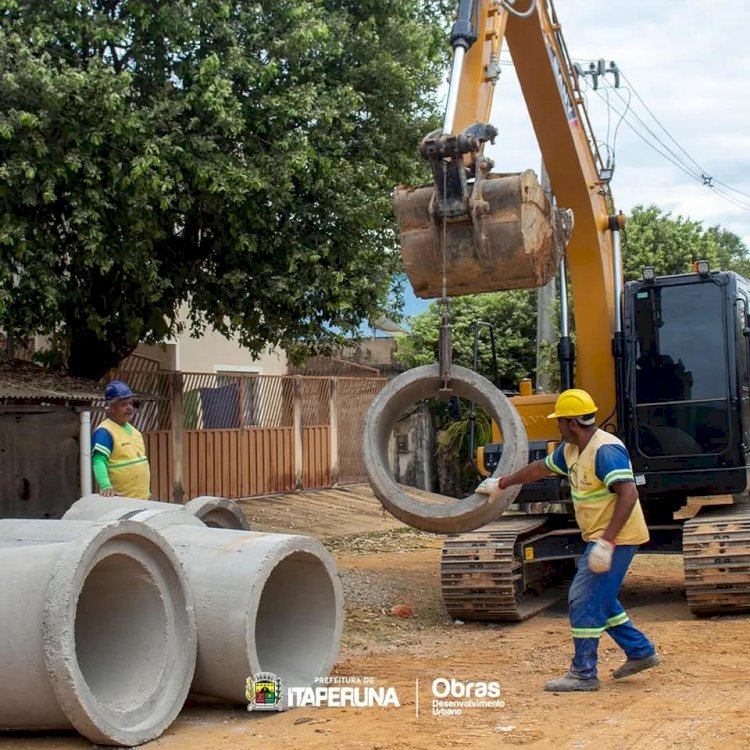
22,380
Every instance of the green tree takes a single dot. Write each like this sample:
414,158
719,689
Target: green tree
733,254
671,245
235,156
513,318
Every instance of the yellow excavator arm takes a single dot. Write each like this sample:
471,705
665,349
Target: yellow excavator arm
476,231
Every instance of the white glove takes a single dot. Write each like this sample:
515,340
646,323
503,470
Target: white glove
600,557
491,488
487,487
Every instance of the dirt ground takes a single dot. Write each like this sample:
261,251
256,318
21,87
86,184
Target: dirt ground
698,698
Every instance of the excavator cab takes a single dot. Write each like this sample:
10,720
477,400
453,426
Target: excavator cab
685,431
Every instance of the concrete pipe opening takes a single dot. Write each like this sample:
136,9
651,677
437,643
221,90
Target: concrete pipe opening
120,636
431,511
121,632
298,622
264,603
218,513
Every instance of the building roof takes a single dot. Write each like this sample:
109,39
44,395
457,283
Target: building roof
332,366
23,380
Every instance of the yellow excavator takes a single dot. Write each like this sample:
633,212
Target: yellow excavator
666,359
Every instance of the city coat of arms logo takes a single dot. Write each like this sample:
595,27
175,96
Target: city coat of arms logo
263,692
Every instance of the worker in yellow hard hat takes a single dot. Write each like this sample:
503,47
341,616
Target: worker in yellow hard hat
609,513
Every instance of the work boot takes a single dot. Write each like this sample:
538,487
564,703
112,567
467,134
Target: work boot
633,666
572,683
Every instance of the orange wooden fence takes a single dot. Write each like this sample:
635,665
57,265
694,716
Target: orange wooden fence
239,462
160,458
238,432
316,457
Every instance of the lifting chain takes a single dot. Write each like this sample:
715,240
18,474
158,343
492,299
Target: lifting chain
445,342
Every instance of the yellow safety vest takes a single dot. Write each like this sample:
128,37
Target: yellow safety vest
128,464
593,501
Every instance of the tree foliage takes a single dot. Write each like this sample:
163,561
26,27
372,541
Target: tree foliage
513,318
238,156
671,244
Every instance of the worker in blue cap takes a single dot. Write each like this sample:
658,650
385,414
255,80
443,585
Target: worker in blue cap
118,452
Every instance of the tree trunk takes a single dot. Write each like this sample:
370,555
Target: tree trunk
449,472
92,358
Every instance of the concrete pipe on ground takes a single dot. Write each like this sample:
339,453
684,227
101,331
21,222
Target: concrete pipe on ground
98,629
429,511
263,602
217,512
156,519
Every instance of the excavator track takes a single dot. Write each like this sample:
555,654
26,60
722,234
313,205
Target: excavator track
716,553
483,576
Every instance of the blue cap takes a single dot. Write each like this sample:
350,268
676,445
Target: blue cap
117,389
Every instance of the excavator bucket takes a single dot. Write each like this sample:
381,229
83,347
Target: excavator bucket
509,237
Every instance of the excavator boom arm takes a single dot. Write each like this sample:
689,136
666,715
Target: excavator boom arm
487,232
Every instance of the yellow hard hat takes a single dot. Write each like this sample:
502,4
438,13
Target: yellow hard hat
573,403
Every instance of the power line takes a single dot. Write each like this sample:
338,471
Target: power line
690,166
669,155
677,155
686,166
734,190
647,141
617,128
727,196
631,114
656,120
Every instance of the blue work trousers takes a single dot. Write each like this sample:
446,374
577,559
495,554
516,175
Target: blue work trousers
594,608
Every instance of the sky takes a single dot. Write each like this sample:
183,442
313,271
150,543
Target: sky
689,62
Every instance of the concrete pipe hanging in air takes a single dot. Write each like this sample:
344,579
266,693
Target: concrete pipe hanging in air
216,512
443,515
98,629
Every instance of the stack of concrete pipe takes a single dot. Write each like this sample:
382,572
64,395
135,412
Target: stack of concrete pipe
112,615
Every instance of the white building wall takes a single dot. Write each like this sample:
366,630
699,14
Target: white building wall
213,353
